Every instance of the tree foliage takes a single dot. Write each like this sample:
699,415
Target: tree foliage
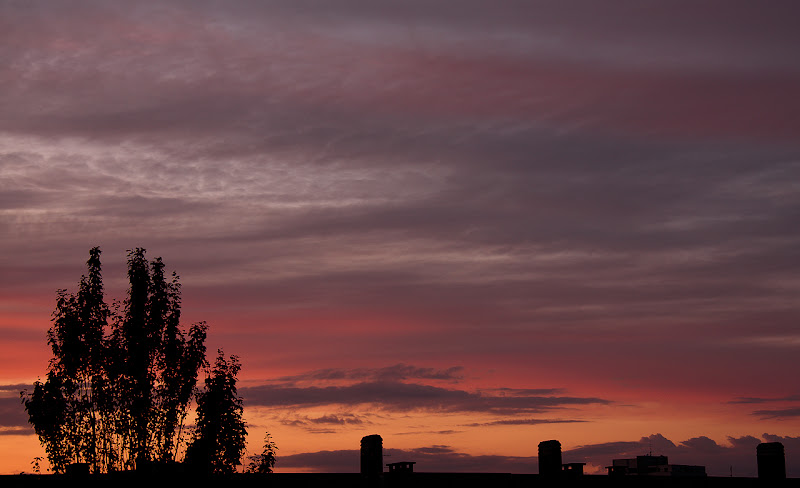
264,462
219,438
121,379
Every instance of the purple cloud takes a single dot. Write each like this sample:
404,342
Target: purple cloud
739,456
397,396
524,422
16,431
397,372
12,414
312,424
437,458
517,183
13,418
431,432
791,398
778,413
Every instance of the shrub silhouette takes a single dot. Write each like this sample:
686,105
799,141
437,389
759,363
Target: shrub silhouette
219,438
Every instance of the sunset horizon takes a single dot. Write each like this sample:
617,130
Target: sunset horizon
465,227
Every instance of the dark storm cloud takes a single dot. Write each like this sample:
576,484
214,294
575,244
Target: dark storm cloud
396,396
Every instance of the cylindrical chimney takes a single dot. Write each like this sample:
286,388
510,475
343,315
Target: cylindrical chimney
550,458
372,455
771,461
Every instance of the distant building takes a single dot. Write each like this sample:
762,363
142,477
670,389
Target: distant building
402,467
572,470
652,466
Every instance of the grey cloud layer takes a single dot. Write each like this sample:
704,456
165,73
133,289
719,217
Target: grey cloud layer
779,410
778,413
355,395
13,419
396,372
475,167
397,396
649,237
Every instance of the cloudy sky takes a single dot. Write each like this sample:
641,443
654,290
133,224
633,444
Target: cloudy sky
467,226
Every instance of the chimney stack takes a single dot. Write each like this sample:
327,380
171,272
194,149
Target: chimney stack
550,459
771,461
372,456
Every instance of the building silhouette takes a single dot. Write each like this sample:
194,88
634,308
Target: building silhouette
372,456
771,461
402,467
652,466
550,458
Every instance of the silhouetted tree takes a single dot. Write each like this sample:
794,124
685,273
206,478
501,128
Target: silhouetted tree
156,363
264,462
219,438
120,381
63,409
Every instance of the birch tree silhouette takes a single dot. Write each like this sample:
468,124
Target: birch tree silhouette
121,379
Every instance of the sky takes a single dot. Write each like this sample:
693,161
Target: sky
466,226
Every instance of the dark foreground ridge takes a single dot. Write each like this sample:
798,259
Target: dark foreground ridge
387,480
645,471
